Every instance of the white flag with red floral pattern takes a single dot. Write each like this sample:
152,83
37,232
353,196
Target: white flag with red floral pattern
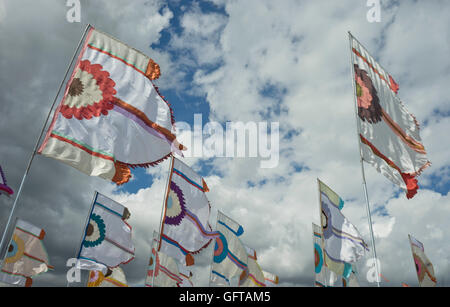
389,134
112,117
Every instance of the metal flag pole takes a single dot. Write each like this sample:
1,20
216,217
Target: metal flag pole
83,233
369,216
166,195
37,142
163,209
327,277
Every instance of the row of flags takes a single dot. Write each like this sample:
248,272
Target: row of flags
107,245
338,246
112,118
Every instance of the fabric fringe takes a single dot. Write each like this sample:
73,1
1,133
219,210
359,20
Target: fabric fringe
149,164
168,104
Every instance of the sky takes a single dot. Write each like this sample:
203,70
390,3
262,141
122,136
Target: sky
283,62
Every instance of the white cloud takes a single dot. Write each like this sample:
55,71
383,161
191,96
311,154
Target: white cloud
301,50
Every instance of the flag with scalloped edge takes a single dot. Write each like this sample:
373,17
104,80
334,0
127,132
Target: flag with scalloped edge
185,229
112,117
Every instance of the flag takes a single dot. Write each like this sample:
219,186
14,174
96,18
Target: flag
4,188
111,118
271,280
107,241
162,269
26,256
185,276
114,278
185,229
351,281
320,269
424,268
230,255
343,243
389,134
254,276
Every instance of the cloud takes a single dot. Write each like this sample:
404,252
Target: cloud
289,62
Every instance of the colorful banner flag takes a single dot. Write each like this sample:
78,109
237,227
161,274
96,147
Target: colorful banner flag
163,269
271,280
424,268
254,276
351,281
320,269
107,240
230,255
343,243
389,134
4,188
26,255
114,278
186,230
186,276
111,118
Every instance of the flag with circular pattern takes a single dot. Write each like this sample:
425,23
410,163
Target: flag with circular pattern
112,117
26,255
107,240
424,267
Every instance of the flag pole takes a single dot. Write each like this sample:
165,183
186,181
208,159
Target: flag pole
369,216
328,272
163,209
166,195
37,143
83,233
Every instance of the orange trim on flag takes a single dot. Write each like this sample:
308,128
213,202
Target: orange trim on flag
409,179
141,115
413,144
391,85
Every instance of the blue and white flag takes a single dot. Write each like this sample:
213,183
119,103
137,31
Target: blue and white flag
186,229
107,241
230,255
343,244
